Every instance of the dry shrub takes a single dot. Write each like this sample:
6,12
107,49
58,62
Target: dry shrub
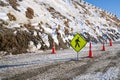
3,4
88,23
18,43
14,4
101,39
66,31
20,0
3,23
29,26
7,41
48,25
57,46
29,13
75,5
54,13
37,39
116,20
41,30
50,41
40,23
88,37
66,22
11,17
13,43
103,14
23,38
61,43
72,30
51,9
59,27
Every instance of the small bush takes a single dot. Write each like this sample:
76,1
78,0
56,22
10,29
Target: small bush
14,4
11,17
29,13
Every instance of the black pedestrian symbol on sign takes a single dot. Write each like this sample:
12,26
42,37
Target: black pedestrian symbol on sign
77,42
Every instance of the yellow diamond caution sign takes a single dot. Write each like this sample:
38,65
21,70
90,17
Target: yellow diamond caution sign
78,42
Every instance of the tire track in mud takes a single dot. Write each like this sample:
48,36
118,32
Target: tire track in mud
75,71
114,61
58,71
69,75
32,72
109,61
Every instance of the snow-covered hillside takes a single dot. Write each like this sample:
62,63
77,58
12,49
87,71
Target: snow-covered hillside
30,25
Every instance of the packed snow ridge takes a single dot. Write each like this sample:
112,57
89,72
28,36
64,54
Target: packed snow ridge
35,24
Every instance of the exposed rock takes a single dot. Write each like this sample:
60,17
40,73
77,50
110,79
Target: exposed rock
3,23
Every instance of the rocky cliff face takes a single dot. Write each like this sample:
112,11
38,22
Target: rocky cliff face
31,25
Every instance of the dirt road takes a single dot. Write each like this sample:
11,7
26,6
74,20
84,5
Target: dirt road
105,65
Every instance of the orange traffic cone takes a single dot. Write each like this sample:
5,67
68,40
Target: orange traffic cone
53,49
110,42
90,51
103,47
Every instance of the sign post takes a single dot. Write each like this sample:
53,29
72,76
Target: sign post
77,43
77,55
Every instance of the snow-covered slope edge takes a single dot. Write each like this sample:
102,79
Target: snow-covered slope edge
31,25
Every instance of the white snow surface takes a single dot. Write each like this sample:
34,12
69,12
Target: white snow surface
3,16
80,19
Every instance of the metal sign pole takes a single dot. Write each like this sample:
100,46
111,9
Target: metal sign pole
77,55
